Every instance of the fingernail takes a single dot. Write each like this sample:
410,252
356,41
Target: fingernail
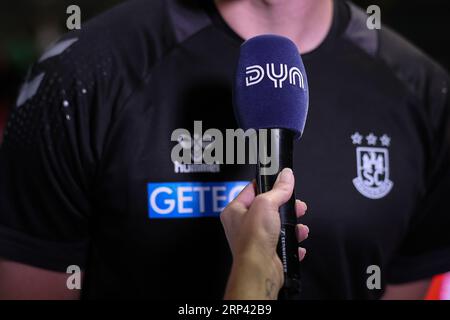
306,227
286,175
303,226
302,252
305,207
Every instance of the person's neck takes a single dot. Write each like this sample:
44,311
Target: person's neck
306,22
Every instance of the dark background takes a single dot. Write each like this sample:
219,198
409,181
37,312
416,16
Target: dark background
27,27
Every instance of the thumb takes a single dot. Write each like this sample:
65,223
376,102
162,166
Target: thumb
282,189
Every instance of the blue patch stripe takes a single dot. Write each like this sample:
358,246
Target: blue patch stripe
175,200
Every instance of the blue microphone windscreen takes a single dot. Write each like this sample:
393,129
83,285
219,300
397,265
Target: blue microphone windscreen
270,89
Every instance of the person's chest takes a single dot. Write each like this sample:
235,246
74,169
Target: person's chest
359,167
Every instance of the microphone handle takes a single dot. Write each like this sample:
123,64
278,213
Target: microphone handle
283,147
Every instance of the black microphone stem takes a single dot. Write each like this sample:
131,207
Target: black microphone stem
282,145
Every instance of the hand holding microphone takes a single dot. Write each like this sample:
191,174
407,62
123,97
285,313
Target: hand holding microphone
271,96
252,226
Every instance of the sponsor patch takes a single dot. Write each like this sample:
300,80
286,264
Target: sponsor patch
175,200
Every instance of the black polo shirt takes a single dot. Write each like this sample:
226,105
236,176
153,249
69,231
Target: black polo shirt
87,177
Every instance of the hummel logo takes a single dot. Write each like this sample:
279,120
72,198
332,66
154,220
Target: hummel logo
31,87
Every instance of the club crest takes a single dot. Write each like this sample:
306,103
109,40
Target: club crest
372,166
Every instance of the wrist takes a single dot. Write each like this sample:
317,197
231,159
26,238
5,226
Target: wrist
254,277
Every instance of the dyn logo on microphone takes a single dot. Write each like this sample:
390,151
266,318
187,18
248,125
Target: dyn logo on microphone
277,74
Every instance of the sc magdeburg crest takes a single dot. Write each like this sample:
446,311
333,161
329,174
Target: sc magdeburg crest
372,166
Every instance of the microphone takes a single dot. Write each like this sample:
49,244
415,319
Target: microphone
271,92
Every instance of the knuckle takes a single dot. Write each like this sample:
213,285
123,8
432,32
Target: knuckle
231,210
263,200
284,187
224,215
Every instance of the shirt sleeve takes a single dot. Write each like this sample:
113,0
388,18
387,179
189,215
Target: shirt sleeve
48,159
425,250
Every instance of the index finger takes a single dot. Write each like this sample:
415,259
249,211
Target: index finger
246,196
